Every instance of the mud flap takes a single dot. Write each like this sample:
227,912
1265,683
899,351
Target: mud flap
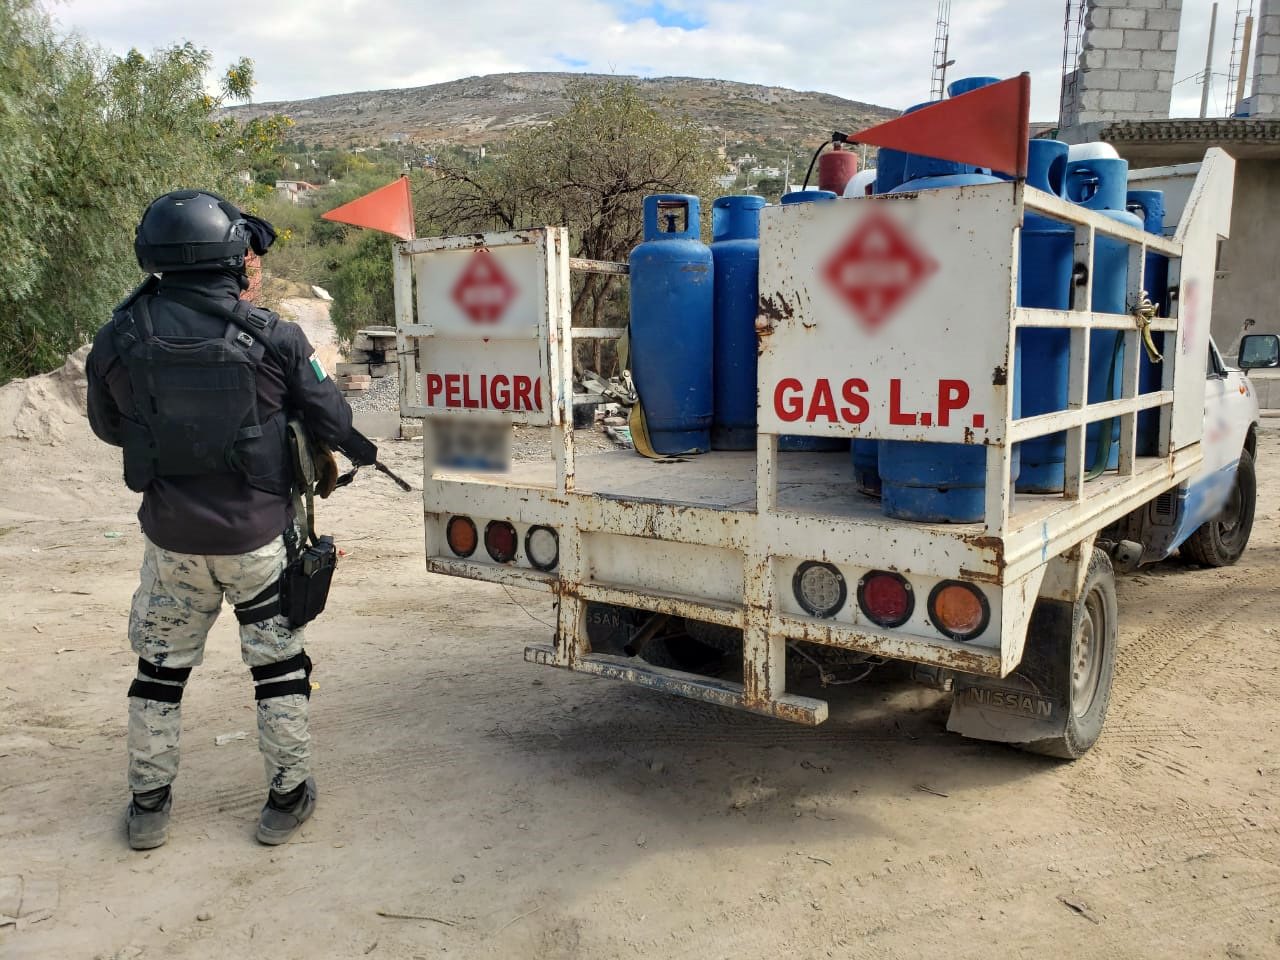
1008,710
1027,705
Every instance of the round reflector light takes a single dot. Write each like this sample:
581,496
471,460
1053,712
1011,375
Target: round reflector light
460,534
542,547
500,540
819,588
886,598
959,610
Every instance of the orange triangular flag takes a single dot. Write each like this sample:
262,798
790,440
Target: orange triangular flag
389,209
987,127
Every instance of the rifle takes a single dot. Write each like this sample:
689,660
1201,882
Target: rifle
363,452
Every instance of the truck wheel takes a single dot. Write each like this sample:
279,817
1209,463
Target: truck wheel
1071,652
1220,542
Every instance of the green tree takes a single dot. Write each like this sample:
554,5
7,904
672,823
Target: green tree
86,140
590,170
771,188
362,287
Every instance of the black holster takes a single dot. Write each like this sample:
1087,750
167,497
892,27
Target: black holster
304,585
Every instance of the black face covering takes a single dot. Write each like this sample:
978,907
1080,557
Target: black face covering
207,282
261,233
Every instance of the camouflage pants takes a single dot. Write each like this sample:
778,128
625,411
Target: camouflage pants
173,609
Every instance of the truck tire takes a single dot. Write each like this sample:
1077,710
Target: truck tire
1220,542
1071,655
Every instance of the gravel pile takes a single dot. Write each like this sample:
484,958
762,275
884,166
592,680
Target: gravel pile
384,395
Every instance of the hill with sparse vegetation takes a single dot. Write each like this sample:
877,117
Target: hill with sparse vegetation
481,110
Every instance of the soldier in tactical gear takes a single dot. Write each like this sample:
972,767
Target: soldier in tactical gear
197,386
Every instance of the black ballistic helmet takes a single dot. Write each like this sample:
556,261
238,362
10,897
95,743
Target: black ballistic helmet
191,230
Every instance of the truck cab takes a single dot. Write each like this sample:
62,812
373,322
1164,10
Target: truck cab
1208,518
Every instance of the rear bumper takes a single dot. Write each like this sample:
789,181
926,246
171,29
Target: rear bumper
789,706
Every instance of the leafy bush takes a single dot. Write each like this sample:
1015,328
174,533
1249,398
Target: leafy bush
362,287
87,139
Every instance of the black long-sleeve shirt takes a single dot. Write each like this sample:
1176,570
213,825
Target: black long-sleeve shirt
217,513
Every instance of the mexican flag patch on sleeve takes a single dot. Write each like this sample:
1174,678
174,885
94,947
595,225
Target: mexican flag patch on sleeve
317,368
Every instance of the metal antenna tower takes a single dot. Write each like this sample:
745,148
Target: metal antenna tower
941,41
1239,62
1072,39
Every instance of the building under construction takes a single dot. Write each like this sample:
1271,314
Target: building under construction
1117,87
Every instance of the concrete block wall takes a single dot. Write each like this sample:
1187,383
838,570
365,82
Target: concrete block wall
1248,284
1126,62
1265,101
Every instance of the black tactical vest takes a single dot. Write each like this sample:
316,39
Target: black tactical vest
196,400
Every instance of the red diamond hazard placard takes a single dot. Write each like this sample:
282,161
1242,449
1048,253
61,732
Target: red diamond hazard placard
877,269
483,289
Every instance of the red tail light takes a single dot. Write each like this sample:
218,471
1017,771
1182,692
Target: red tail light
501,541
886,598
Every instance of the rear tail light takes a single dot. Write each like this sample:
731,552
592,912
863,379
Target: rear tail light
959,610
886,598
460,534
500,540
542,547
819,588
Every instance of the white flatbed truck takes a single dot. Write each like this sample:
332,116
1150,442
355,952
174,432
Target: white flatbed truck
762,556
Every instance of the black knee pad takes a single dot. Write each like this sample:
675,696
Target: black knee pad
146,684
282,688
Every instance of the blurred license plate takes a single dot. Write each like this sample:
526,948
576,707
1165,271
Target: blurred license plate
471,445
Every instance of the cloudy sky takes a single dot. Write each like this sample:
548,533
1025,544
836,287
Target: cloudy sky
876,52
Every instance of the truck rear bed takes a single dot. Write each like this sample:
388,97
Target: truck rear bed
808,483
725,538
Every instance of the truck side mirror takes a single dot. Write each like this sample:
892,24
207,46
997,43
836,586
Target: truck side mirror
1259,350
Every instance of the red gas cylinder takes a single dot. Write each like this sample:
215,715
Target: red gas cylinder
836,168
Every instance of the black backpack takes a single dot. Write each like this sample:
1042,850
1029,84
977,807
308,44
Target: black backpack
196,400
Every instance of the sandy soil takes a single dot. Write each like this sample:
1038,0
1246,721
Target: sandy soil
472,805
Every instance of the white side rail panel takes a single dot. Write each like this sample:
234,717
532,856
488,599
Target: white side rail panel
485,336
889,318
1206,218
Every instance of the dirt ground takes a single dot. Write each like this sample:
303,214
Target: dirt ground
473,805
313,316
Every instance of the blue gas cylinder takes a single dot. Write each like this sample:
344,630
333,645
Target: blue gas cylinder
891,164
735,252
933,482
1046,259
807,195
672,324
1149,205
962,86
866,466
789,443
937,482
1100,184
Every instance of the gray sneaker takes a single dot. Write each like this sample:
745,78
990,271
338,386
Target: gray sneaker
148,820
277,823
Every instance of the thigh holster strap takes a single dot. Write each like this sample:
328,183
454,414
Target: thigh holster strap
263,606
283,688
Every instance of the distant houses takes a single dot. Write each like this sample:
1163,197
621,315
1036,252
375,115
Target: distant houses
296,191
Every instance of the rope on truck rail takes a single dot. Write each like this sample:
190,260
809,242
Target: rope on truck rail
1143,312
